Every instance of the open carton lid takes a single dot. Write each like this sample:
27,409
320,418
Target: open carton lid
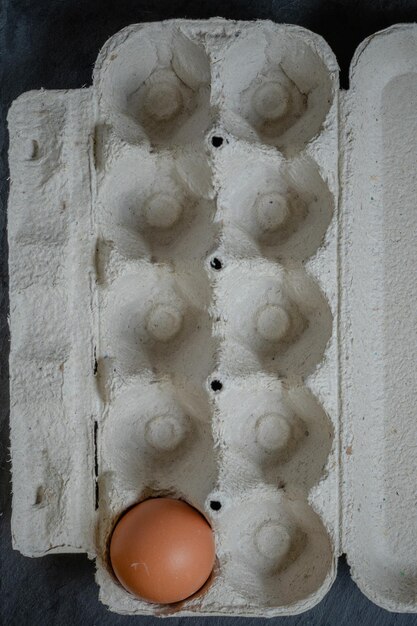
378,323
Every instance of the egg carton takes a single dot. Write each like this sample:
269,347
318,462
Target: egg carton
212,297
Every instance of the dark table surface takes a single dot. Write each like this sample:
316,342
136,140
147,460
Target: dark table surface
53,44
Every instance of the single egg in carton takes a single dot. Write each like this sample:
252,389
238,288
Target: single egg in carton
203,293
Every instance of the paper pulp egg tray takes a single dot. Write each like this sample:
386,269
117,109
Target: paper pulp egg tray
213,296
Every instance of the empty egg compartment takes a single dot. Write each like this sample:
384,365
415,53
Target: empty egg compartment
281,436
153,84
155,320
153,426
274,553
271,319
153,205
269,206
284,95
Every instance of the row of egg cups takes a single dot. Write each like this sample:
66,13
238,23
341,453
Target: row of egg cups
256,316
172,208
265,430
160,440
181,79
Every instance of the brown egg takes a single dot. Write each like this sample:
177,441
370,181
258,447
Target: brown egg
162,550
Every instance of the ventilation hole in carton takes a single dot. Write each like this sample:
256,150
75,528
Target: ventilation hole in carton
95,363
216,385
34,152
216,264
40,496
96,465
215,505
216,141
